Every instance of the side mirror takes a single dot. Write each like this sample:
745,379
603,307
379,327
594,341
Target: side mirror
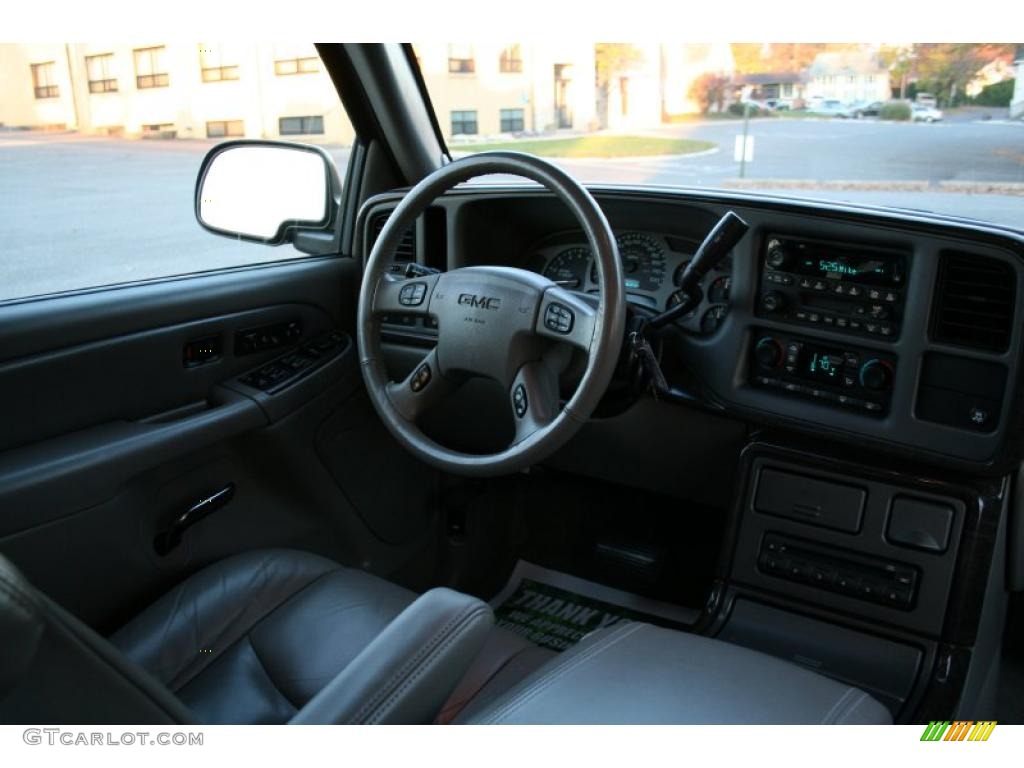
269,192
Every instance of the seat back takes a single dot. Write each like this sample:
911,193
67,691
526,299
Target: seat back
54,669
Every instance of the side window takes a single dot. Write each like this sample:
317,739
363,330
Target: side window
101,145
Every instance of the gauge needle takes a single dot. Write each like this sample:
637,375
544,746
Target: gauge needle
574,283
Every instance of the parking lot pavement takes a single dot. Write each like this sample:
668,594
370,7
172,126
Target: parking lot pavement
81,211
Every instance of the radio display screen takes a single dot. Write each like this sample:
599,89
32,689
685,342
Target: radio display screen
834,263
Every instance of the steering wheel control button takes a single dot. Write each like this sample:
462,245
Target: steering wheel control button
519,402
420,379
558,318
412,295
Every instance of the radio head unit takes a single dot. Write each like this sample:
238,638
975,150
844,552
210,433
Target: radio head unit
848,287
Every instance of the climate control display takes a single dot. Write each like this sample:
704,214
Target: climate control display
851,378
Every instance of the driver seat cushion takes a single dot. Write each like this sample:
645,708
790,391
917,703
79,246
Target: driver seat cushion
635,673
254,637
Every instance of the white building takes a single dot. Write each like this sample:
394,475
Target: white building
848,76
183,90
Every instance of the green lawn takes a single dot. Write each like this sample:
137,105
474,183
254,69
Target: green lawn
594,146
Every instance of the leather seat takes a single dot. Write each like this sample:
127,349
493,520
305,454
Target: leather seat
269,636
635,673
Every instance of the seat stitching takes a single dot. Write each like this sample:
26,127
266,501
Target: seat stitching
385,690
837,705
851,707
552,676
429,662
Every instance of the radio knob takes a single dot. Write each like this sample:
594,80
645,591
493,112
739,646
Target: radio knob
768,352
777,258
773,302
876,375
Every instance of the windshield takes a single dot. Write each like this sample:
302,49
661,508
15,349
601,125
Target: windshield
938,127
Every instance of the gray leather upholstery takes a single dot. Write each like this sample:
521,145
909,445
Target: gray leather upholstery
251,639
407,672
54,669
638,673
505,659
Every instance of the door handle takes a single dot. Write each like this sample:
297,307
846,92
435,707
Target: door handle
170,537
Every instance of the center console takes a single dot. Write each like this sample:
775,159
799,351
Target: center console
852,571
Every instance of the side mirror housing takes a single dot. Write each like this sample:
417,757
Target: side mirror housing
270,192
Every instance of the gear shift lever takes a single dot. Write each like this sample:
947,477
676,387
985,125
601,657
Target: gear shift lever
720,240
729,230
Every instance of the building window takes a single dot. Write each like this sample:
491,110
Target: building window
218,129
43,80
460,59
511,120
300,66
464,122
150,68
98,69
511,59
297,126
211,62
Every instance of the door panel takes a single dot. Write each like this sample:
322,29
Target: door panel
109,436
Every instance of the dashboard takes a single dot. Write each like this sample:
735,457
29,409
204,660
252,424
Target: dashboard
890,331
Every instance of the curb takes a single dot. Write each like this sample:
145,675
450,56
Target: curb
963,187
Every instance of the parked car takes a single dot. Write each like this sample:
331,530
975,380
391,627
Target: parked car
922,113
834,108
868,110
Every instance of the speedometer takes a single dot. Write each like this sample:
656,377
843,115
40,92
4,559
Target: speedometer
643,262
569,268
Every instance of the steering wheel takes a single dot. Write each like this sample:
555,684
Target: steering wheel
502,323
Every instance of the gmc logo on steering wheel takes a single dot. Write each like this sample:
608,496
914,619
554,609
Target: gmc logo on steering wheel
480,302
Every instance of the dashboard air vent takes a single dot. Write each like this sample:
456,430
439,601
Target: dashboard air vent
974,299
406,250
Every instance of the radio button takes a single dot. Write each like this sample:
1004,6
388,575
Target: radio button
854,291
840,289
874,294
842,322
814,317
892,296
800,315
829,320
820,285
805,282
851,359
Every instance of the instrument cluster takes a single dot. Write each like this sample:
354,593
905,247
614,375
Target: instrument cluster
652,265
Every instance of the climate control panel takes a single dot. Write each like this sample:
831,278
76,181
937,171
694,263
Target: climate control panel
852,378
843,287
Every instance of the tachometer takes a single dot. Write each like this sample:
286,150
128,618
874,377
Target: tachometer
569,268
